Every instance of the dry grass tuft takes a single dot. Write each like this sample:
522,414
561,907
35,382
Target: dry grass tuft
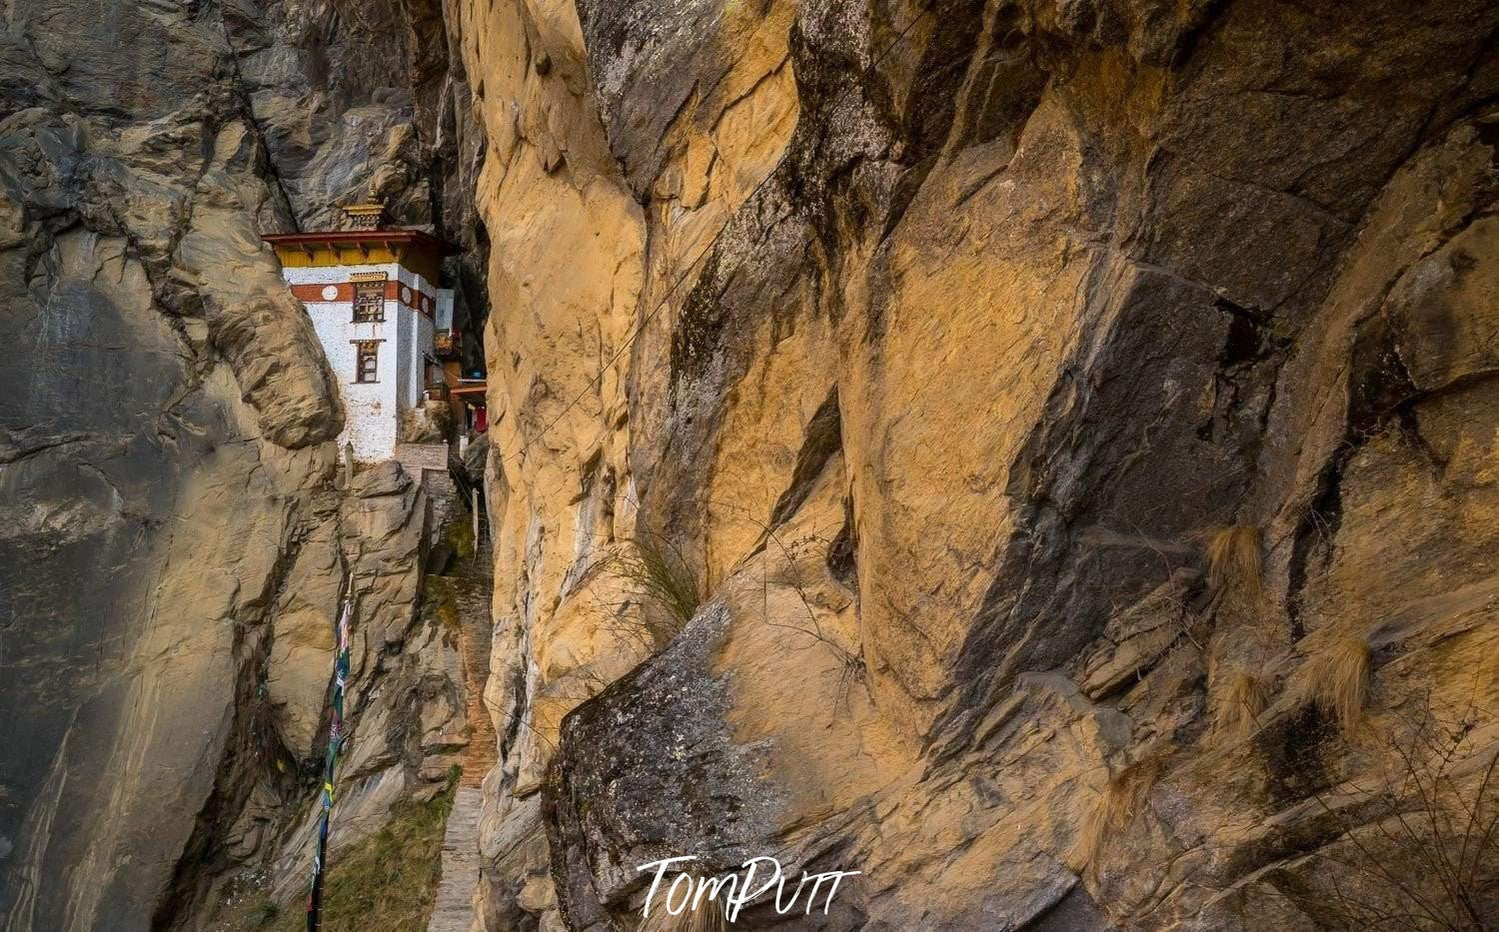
667,580
1117,808
1339,679
708,917
1234,560
1239,707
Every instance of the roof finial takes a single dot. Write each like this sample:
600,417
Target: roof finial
369,215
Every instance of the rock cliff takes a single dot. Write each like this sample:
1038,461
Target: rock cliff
1077,421
176,527
1038,455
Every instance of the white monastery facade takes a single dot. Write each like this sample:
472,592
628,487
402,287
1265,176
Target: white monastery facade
376,308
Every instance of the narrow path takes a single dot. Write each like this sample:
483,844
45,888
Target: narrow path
474,595
453,910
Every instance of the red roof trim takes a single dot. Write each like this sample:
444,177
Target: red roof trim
373,237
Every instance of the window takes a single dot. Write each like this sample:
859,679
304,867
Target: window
369,301
366,360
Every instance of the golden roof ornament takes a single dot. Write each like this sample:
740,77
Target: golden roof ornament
367,216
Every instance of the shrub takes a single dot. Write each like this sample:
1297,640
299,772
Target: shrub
1422,852
667,581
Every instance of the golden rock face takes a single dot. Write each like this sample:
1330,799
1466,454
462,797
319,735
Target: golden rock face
1040,456
1081,296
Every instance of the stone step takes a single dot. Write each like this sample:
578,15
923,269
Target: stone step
473,595
453,910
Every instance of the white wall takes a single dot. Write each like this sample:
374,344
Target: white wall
372,409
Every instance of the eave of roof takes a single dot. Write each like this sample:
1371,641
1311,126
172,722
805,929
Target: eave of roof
370,237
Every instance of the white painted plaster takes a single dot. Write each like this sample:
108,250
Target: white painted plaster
372,409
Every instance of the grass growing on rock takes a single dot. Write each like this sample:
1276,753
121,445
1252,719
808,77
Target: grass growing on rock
667,580
264,913
1339,678
440,605
1238,709
1234,560
389,880
1116,808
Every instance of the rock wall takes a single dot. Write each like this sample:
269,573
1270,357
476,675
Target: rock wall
1037,455
176,529
1053,404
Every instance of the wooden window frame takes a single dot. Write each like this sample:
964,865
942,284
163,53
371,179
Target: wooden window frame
372,311
366,349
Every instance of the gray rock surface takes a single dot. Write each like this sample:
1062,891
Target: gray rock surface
175,534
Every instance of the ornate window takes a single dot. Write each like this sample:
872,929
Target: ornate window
366,360
369,300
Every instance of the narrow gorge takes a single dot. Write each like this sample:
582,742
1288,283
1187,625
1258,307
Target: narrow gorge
1038,457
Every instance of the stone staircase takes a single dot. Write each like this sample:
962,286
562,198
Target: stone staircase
474,595
427,465
453,910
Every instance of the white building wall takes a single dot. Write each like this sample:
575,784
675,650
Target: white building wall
402,320
416,343
335,274
426,333
372,409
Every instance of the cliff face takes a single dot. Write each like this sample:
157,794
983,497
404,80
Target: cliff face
1041,456
1054,405
175,527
